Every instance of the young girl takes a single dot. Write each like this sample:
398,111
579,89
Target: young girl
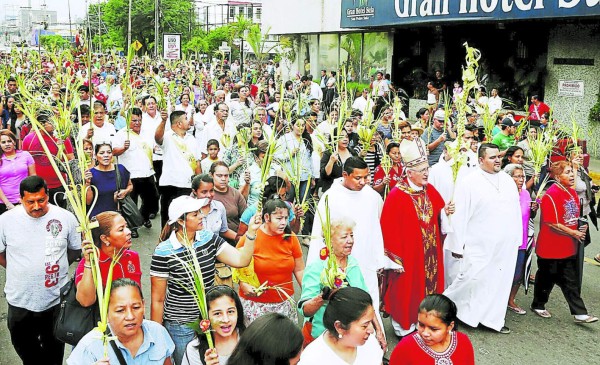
227,324
436,340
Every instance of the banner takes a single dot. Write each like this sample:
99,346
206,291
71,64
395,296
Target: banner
374,13
172,46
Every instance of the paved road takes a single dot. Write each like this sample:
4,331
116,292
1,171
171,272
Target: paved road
533,340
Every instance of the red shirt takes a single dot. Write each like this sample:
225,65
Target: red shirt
558,206
412,350
395,176
535,113
43,168
128,267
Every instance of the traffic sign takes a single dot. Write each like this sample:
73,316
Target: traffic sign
136,45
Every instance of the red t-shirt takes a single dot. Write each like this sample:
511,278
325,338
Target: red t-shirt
43,168
274,261
128,267
412,350
395,176
558,206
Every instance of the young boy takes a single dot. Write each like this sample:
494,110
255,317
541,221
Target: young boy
212,148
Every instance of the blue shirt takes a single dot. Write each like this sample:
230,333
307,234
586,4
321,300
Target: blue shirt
251,211
157,346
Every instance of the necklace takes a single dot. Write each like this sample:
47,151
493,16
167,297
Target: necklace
496,186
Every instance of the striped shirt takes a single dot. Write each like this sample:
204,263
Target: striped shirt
180,305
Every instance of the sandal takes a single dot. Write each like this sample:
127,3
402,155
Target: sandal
518,310
542,313
597,258
588,319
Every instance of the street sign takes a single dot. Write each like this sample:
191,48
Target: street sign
225,49
136,45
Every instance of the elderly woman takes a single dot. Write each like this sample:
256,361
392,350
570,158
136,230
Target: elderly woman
348,321
528,210
557,246
277,257
139,340
315,296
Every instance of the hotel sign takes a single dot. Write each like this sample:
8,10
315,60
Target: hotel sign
374,13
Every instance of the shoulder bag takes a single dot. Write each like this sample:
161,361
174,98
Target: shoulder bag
127,207
74,321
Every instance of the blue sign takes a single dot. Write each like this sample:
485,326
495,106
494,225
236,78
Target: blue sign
375,13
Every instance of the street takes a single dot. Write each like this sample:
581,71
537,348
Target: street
533,340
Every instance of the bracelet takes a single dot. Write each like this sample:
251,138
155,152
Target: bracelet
250,237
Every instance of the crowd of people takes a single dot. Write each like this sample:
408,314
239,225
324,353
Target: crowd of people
244,170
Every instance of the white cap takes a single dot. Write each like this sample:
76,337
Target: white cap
184,204
439,114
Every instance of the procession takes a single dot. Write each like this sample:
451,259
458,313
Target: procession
175,209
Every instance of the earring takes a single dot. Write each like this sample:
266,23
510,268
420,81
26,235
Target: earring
340,335
107,244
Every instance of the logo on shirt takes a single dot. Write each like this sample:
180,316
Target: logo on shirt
54,227
130,267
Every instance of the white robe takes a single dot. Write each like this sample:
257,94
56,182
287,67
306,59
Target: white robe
364,208
487,232
440,176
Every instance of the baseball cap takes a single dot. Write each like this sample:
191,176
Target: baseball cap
508,122
184,204
439,115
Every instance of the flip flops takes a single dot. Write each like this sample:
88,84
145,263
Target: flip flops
597,258
542,313
518,310
588,319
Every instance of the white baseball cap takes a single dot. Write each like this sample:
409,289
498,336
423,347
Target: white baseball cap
439,114
184,204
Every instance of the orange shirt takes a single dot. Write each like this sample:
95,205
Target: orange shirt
274,261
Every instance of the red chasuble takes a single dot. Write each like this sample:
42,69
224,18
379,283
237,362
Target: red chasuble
411,237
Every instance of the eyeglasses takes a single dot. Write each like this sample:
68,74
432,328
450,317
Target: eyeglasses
421,171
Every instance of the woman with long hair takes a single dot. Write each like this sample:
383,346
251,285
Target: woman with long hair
277,257
15,165
516,155
226,317
437,340
332,162
104,178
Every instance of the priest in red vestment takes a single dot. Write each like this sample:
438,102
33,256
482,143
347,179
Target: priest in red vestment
410,223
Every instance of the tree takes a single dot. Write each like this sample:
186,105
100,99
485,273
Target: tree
53,42
258,43
176,16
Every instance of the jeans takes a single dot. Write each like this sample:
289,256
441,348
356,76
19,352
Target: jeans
31,334
181,335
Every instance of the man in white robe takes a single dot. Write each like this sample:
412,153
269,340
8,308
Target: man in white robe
487,233
440,176
352,196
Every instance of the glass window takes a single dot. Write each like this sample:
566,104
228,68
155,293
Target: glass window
231,12
350,51
374,54
328,57
258,13
250,12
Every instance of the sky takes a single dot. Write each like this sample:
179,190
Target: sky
61,7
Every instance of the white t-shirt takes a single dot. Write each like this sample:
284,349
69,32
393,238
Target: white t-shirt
106,133
36,255
319,352
177,170
381,86
149,125
213,131
136,158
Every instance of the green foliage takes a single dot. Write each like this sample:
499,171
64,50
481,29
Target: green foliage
175,17
53,42
594,116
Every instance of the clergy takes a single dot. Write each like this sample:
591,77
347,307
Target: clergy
411,236
352,195
487,231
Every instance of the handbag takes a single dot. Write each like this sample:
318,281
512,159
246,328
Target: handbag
307,333
74,321
115,348
127,207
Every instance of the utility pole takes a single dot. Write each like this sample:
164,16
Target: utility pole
156,27
70,29
99,29
129,29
